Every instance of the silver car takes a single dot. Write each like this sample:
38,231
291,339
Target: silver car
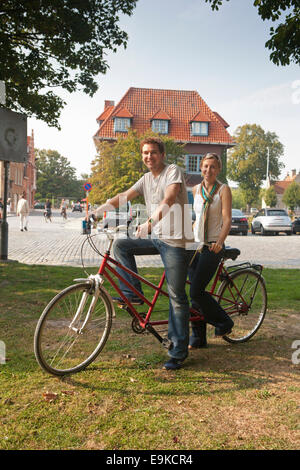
271,221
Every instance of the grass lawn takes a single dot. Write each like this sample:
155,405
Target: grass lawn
227,396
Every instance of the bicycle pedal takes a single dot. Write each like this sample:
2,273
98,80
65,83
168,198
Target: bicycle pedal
123,306
167,343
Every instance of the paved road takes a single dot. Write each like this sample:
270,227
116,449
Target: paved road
60,243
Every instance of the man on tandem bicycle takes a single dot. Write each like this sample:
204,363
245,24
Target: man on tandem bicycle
168,231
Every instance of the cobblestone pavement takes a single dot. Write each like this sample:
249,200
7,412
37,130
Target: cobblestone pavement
61,243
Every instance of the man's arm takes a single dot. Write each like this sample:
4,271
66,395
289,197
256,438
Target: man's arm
118,200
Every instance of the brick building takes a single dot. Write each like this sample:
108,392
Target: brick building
182,115
22,177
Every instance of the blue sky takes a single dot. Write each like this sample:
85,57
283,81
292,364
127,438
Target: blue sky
183,44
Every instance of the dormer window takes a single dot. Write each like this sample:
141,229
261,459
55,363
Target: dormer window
122,119
199,128
121,124
160,126
200,124
160,122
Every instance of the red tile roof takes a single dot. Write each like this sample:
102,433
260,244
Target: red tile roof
105,113
180,106
225,124
122,112
161,115
280,186
200,117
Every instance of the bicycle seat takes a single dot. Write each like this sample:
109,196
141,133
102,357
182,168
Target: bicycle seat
231,253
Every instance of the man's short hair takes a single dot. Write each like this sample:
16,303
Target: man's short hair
153,140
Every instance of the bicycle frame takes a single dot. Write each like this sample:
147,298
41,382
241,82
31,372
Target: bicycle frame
106,270
108,267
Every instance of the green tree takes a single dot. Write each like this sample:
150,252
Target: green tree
284,40
270,197
119,165
291,196
238,200
247,161
56,177
56,43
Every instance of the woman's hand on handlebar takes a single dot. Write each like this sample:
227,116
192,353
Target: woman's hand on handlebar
215,247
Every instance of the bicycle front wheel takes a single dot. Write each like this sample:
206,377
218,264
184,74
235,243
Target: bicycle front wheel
244,298
65,341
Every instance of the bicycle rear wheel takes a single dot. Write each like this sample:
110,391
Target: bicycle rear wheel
63,348
244,298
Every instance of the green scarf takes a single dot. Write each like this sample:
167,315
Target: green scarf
203,223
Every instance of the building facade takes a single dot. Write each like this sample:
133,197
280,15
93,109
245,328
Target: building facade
281,186
22,177
181,115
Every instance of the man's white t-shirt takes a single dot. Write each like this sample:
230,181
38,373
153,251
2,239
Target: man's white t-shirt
175,228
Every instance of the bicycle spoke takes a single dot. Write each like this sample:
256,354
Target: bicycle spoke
60,348
244,299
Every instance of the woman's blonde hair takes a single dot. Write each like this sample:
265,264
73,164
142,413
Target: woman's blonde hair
208,156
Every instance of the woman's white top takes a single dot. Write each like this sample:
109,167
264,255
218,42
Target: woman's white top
214,216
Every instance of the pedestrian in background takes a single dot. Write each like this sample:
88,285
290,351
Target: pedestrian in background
1,208
23,212
8,206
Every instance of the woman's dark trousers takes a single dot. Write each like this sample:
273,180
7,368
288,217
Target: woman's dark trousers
200,273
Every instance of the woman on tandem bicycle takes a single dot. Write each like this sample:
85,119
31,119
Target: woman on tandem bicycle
212,205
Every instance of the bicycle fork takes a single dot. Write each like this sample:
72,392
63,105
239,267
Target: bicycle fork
96,281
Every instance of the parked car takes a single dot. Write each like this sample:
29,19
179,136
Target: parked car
271,221
296,225
239,223
77,207
253,210
39,205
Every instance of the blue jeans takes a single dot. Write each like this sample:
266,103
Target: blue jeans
176,261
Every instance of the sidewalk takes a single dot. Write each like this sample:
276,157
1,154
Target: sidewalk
61,243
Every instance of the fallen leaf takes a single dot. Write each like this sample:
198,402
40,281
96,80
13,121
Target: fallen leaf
68,392
48,396
175,439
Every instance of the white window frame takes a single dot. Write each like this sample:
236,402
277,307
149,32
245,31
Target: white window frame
121,124
160,125
195,165
199,128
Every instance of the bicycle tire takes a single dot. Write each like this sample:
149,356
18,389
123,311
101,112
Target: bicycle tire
251,313
60,350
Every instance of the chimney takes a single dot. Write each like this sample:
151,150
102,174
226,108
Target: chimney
108,103
293,173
